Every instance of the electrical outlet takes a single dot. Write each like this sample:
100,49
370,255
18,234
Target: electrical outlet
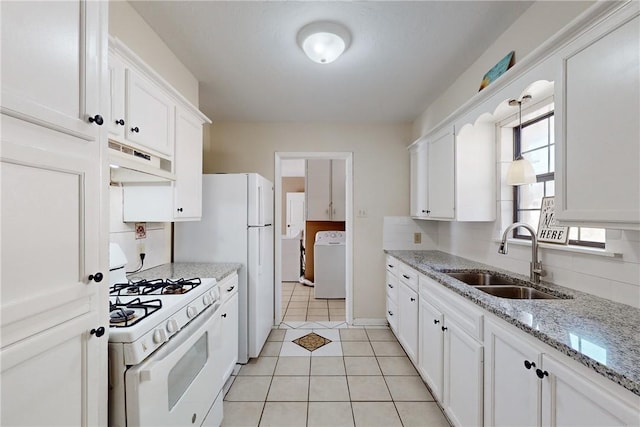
362,213
141,230
417,238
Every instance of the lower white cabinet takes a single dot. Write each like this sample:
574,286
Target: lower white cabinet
431,347
451,353
408,320
526,385
230,319
392,299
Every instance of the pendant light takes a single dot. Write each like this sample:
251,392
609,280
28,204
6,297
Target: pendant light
520,171
323,42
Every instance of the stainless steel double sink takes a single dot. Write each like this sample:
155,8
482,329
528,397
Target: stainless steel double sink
500,285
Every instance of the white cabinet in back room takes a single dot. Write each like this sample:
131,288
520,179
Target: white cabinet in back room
54,305
325,190
597,126
408,311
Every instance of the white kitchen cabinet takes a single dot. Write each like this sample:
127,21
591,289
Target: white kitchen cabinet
116,117
392,285
512,389
431,347
597,127
408,320
180,200
451,352
452,176
54,303
325,190
230,319
150,114
527,385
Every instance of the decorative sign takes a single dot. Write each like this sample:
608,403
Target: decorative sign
548,230
499,69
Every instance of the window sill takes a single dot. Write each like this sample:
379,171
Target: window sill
567,248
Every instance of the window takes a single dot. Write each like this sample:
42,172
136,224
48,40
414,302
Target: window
535,142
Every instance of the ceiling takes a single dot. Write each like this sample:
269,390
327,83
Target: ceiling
402,56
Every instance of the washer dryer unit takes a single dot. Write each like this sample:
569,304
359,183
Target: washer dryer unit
329,264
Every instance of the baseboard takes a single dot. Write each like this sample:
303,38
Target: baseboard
370,322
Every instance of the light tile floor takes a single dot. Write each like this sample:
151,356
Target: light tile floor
299,304
362,378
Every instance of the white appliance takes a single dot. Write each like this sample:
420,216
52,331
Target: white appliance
329,264
164,347
236,226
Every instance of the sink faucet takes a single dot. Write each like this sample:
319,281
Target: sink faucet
535,269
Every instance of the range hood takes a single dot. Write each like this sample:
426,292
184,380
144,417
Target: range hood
132,165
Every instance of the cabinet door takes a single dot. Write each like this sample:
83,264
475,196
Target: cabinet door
338,190
569,398
431,342
408,321
462,376
318,190
597,131
441,176
418,157
230,319
150,115
51,58
188,167
116,117
512,391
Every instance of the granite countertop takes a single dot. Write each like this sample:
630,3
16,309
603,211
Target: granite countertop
601,334
188,270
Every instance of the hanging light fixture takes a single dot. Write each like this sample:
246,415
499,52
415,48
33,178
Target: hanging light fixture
323,42
520,171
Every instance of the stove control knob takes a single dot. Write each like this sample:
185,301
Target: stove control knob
172,325
159,336
215,294
207,300
191,311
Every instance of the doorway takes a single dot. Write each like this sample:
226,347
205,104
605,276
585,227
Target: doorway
294,294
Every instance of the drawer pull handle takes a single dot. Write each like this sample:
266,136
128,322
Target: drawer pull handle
444,328
406,277
436,321
390,285
390,313
390,266
231,288
413,299
529,365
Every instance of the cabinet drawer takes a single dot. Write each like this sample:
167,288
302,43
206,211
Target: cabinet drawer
392,287
409,277
228,287
392,264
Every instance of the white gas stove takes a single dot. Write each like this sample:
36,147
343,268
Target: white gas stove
163,338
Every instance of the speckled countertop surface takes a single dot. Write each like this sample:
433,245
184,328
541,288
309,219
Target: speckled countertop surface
187,270
601,334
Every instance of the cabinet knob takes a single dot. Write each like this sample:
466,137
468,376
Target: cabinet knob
390,285
231,288
96,277
120,122
427,211
224,314
135,129
98,332
179,209
97,119
444,328
390,313
541,374
436,321
413,299
529,365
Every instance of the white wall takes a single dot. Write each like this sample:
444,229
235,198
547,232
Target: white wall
381,181
132,30
615,278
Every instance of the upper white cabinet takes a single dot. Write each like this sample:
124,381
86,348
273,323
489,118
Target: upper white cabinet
598,131
452,176
325,190
54,307
116,118
150,114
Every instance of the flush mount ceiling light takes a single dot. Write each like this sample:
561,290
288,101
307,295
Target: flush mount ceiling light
323,42
520,171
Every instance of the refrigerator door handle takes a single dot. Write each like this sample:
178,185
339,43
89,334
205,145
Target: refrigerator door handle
260,203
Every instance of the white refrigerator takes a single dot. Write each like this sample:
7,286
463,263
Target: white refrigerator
237,226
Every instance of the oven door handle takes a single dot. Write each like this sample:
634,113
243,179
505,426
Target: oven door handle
185,339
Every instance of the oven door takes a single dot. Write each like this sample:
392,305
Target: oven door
177,384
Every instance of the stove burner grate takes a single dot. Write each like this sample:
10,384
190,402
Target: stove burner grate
154,287
127,314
